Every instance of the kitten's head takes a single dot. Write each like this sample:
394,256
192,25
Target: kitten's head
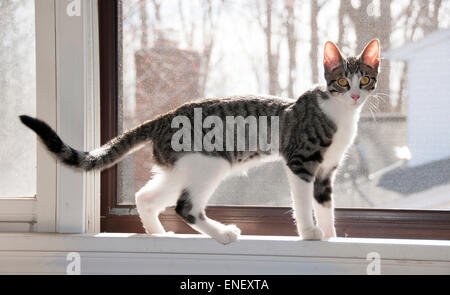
351,79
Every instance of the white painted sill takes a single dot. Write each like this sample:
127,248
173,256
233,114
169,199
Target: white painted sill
106,253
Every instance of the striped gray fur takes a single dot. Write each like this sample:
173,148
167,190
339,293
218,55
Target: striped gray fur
184,207
103,157
323,186
305,133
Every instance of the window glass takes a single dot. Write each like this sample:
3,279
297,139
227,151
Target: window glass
173,51
17,96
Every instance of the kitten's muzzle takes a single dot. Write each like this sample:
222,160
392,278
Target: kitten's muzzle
355,97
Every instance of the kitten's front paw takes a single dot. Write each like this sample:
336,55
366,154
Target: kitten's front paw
164,234
168,234
330,233
229,234
312,233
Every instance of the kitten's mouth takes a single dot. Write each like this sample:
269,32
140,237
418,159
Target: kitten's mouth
356,98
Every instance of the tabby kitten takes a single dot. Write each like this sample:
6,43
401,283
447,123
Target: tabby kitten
313,134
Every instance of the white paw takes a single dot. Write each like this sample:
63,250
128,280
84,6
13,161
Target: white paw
162,234
330,233
229,234
312,233
167,234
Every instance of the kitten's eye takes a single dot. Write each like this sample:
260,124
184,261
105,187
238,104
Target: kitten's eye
342,82
364,80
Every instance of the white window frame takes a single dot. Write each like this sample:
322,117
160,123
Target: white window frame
114,253
67,98
78,113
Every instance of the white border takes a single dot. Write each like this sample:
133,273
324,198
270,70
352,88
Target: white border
195,254
68,99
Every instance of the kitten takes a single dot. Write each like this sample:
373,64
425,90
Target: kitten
311,136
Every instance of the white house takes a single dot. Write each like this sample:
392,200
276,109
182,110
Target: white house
425,181
428,96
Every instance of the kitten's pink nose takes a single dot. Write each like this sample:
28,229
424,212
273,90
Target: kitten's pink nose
355,96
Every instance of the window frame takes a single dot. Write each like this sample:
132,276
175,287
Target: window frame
38,212
253,220
67,98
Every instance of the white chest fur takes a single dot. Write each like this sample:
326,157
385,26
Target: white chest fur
346,119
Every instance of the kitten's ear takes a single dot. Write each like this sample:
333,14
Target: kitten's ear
371,54
332,57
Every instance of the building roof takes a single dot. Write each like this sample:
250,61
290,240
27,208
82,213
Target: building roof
409,49
409,180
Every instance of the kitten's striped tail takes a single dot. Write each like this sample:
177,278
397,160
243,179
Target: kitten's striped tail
100,158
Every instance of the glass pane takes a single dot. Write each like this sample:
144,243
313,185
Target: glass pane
18,96
173,51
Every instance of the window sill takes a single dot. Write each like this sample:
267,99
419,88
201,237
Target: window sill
108,253
270,221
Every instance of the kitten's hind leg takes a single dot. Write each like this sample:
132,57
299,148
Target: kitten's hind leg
194,214
205,174
154,197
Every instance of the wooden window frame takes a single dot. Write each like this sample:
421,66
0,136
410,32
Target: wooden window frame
350,222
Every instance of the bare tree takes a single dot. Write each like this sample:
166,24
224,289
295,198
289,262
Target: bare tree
144,19
211,11
156,25
292,45
208,34
341,16
314,27
272,50
188,29
431,18
383,25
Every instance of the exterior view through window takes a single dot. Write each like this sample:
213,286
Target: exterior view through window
173,51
